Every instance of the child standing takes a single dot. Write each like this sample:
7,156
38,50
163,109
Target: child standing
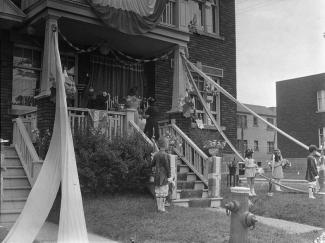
151,128
277,172
162,174
250,171
311,172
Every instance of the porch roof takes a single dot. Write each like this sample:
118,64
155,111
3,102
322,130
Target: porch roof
10,14
80,25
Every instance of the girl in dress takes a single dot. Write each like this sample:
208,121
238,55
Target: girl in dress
133,102
277,172
250,171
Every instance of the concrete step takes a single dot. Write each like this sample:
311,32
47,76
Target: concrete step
198,202
188,176
14,171
12,161
9,216
190,193
182,168
13,203
16,192
14,181
196,185
9,151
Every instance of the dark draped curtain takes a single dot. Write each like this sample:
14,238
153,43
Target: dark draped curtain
107,74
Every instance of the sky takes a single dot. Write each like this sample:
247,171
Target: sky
277,40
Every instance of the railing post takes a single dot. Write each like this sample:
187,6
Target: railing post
173,173
129,117
214,176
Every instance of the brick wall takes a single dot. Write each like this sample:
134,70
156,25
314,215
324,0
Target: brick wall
297,113
45,114
6,49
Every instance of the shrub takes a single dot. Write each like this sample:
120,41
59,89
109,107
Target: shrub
104,166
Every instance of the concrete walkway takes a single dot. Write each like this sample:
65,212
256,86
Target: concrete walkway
49,233
288,226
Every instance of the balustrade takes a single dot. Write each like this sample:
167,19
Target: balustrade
189,152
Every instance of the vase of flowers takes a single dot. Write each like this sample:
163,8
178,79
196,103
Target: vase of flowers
215,147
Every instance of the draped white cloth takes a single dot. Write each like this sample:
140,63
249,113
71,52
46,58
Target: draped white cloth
141,7
59,166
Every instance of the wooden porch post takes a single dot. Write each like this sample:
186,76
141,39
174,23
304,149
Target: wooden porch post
173,168
129,117
48,64
178,78
214,176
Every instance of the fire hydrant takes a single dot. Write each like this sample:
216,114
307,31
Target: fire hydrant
241,219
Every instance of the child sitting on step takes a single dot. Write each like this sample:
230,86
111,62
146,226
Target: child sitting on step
250,171
311,172
161,163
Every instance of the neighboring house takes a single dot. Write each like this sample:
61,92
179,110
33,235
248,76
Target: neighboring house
254,133
301,113
206,29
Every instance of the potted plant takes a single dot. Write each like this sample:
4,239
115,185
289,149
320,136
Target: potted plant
215,147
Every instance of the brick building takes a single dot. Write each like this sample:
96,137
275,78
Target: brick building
203,29
255,134
301,113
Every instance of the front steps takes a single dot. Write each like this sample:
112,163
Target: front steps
191,191
16,188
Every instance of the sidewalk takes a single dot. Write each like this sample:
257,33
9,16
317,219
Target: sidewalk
49,233
288,226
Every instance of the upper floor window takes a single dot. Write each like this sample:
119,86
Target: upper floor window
242,121
321,100
270,120
169,13
26,76
206,16
270,147
255,121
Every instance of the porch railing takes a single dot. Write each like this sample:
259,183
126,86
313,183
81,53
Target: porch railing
111,123
189,152
25,149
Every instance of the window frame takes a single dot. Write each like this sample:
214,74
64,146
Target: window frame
269,128
321,100
239,118
255,124
256,147
321,136
36,69
269,150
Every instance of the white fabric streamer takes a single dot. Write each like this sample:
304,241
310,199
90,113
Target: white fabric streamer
141,7
59,166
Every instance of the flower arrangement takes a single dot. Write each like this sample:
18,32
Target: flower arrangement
215,147
173,141
41,141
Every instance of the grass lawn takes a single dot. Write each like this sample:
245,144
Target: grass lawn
134,216
125,217
288,206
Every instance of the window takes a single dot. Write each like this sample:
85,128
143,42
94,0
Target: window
26,76
212,99
255,121
270,147
242,145
270,120
256,145
207,16
321,135
241,121
321,100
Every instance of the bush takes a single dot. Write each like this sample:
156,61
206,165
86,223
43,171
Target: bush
104,166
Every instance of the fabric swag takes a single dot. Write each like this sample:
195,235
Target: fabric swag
129,17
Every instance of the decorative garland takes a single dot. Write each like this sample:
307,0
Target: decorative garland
116,52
